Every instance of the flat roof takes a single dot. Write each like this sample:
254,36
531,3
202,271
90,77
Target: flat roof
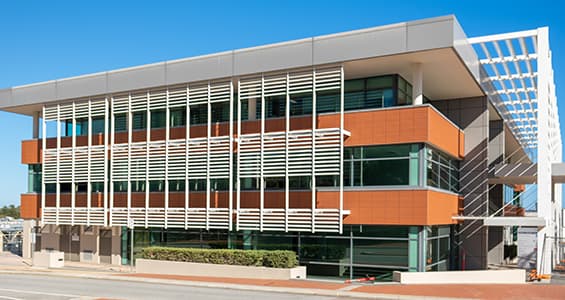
382,41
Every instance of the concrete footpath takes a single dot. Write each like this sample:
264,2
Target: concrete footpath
305,287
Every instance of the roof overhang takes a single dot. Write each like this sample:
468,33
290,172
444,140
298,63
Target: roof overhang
450,65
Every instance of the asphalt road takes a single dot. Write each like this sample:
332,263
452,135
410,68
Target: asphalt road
19,286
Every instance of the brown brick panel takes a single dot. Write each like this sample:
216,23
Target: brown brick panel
30,206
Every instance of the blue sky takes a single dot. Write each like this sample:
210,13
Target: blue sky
45,40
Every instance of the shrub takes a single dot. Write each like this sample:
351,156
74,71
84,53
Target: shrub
266,258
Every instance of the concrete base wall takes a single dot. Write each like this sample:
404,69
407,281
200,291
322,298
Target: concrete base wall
48,259
198,269
462,277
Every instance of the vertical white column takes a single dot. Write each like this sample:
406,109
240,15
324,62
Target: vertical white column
417,84
544,191
187,138
341,138
230,189
130,128
111,179
167,138
35,133
106,118
208,135
73,157
286,134
43,149
147,157
261,174
58,191
238,177
88,183
313,182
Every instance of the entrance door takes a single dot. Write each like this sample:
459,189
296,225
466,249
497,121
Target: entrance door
105,250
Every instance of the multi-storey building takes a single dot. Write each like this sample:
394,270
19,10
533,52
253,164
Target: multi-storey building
365,152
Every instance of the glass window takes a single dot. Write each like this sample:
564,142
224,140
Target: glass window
299,182
198,114
139,120
65,187
220,112
197,185
120,122
328,101
250,115
97,187
158,118
275,106
380,165
327,180
50,188
441,171
138,186
274,183
34,179
300,104
177,185
249,184
97,125
380,252
120,186
178,117
157,186
219,184
81,187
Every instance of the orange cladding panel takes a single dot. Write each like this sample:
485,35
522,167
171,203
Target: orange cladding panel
443,134
31,152
399,207
30,206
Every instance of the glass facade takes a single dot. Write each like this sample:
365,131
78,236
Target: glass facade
438,248
381,165
441,171
34,179
360,250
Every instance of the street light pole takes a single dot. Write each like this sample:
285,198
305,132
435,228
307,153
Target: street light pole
131,225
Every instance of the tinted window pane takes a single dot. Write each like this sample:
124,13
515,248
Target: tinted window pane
158,118
386,172
388,253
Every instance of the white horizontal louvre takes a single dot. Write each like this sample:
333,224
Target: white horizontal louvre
139,101
300,82
81,164
327,220
66,111
300,220
119,168
120,103
219,92
50,113
65,165
274,154
158,99
74,216
300,153
249,219
197,154
81,109
219,157
327,151
273,219
196,217
198,94
97,163
328,79
177,96
97,107
275,85
157,157
218,218
50,165
177,160
138,158
249,155
250,88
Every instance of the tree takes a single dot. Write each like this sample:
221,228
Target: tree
10,211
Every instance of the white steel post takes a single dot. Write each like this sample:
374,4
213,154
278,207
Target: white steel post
58,192
313,180
88,184
187,145
111,179
544,191
341,142
287,130
417,84
147,157
167,138
43,149
73,154
208,135
261,176
230,189
130,128
106,108
238,177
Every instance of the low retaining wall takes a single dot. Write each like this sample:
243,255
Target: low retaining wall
462,277
48,259
214,270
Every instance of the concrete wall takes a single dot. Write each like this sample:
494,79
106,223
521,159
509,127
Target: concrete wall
198,269
472,116
462,277
116,246
27,238
496,193
50,237
89,244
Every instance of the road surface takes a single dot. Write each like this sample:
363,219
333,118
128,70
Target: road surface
44,287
